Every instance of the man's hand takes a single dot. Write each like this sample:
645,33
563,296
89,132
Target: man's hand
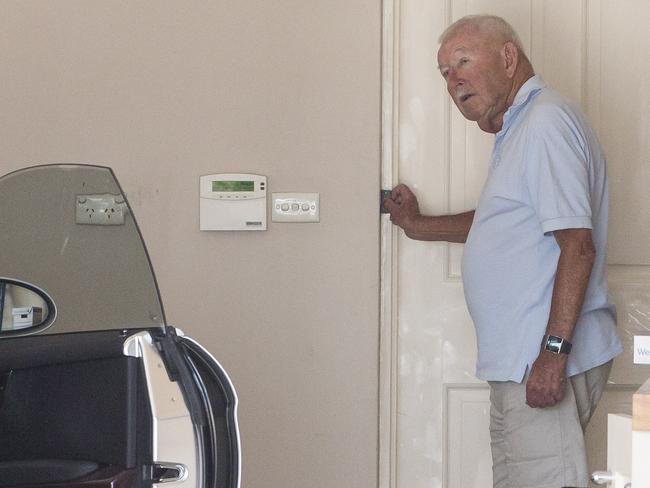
405,213
403,207
546,383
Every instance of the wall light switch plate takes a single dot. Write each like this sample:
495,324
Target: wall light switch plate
295,207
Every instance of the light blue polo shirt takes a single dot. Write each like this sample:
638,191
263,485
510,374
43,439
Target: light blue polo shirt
547,173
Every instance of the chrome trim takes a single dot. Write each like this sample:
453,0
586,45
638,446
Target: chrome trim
183,473
132,347
602,477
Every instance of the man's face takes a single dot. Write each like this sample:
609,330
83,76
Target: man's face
473,66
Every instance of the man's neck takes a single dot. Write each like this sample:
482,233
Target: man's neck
523,73
518,81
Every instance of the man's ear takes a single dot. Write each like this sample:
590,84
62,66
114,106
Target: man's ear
510,55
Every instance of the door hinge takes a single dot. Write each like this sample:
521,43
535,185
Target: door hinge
168,472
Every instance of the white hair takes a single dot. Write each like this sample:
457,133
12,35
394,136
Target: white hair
486,24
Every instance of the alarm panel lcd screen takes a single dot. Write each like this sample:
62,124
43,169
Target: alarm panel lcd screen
233,186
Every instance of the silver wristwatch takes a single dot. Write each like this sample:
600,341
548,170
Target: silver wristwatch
556,345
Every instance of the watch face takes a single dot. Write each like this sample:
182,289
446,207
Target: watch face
553,344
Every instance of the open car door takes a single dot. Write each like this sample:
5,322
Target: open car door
96,389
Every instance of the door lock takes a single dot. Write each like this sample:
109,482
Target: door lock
383,195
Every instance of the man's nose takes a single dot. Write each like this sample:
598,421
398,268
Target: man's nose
453,81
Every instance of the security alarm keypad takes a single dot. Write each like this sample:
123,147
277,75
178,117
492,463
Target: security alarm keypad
233,201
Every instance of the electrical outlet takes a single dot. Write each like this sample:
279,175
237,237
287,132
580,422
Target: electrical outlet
105,209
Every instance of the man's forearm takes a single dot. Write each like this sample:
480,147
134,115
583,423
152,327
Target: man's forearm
546,386
571,281
450,228
405,213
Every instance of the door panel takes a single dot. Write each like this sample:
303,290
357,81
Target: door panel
194,409
69,413
81,409
581,48
107,477
174,410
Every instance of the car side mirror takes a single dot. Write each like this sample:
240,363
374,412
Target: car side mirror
24,308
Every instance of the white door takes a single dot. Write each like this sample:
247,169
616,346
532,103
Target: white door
434,413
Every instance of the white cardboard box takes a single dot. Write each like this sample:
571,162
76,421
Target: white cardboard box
26,316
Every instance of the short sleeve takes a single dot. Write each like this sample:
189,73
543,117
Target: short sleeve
557,170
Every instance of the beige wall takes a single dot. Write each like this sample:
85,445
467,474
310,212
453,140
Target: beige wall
164,91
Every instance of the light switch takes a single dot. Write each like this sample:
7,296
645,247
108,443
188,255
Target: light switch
295,207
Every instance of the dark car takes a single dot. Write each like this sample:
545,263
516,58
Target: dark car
96,389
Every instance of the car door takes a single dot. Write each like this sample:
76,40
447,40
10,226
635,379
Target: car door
96,389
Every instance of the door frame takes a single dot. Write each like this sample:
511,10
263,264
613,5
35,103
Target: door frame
388,318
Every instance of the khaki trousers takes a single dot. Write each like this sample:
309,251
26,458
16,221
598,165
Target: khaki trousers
543,447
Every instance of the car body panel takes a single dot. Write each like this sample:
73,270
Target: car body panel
173,432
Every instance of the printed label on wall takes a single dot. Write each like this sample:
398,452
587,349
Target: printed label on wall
641,349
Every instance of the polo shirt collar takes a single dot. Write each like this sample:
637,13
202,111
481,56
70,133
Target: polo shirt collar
533,85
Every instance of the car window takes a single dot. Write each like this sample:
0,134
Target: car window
68,230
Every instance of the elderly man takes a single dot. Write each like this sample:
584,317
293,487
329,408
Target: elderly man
534,259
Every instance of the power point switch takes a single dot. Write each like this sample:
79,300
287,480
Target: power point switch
105,209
